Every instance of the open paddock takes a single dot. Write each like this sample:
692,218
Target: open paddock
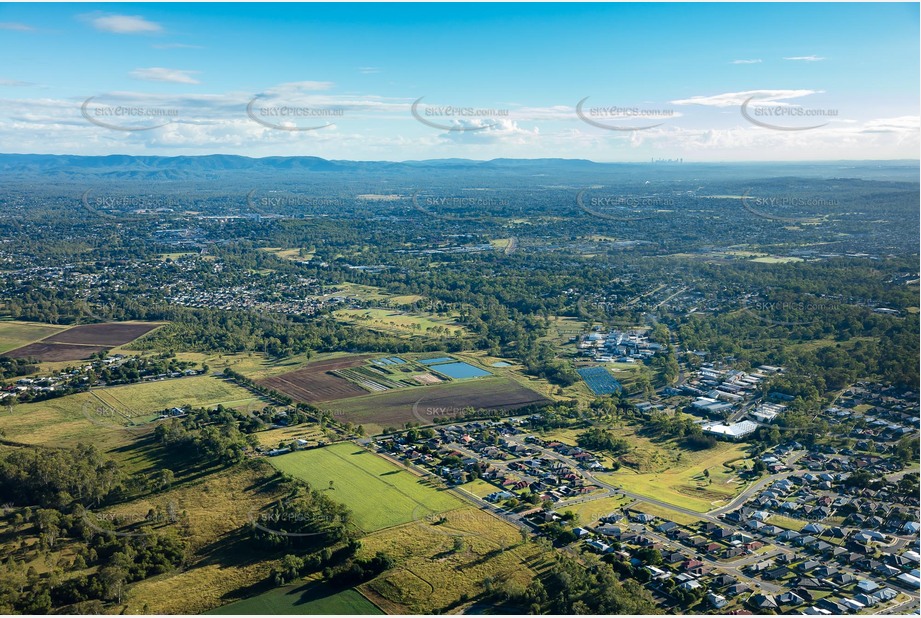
15,334
315,383
379,493
424,404
55,352
111,334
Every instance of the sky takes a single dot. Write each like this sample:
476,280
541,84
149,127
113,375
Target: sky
606,82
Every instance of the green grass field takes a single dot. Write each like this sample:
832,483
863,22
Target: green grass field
16,334
310,598
685,484
479,488
379,493
654,509
593,510
94,416
397,322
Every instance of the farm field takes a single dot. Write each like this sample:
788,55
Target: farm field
302,598
111,334
14,334
197,391
56,352
432,576
398,322
379,493
81,342
685,485
314,383
104,416
255,365
422,405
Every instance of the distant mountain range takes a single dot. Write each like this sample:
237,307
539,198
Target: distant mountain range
125,167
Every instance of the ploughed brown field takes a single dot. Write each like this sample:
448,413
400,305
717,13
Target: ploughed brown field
425,403
314,383
53,352
80,342
113,334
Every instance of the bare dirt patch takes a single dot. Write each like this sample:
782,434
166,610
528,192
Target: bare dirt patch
111,334
53,352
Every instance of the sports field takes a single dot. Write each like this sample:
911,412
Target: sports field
379,493
310,598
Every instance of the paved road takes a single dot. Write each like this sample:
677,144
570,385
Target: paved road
758,486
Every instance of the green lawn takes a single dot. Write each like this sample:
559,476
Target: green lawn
379,493
311,598
479,488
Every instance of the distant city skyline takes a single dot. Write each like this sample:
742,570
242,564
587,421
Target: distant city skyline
606,82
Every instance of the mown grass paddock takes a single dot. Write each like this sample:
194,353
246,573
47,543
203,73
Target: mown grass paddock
379,493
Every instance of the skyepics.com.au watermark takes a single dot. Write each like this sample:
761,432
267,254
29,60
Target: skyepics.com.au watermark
771,115
107,523
109,417
465,208
296,524
780,207
809,310
292,117
428,413
275,202
622,208
128,206
622,118
457,118
127,117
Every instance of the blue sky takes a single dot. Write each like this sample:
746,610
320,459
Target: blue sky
693,81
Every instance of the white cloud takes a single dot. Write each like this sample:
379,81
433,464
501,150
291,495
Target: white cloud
805,58
159,74
15,83
377,127
735,99
754,61
175,46
12,25
293,87
368,70
900,124
125,24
